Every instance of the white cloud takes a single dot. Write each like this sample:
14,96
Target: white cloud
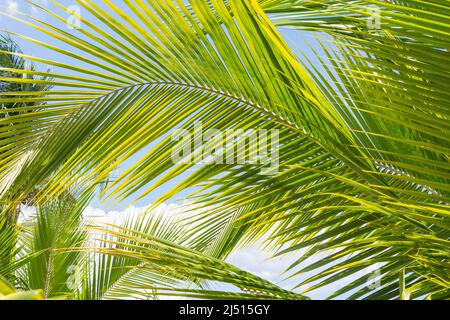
91,212
258,261
12,6
117,217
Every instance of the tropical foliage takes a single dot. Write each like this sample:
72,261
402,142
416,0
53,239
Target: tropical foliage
8,292
145,257
13,108
364,132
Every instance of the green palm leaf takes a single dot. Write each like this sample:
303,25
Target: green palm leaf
364,151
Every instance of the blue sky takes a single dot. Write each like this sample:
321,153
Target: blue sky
251,259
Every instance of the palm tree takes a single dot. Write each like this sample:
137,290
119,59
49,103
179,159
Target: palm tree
13,66
60,255
364,149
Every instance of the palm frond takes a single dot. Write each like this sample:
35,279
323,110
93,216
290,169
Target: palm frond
364,144
143,258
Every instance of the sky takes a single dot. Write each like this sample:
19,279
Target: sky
253,258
